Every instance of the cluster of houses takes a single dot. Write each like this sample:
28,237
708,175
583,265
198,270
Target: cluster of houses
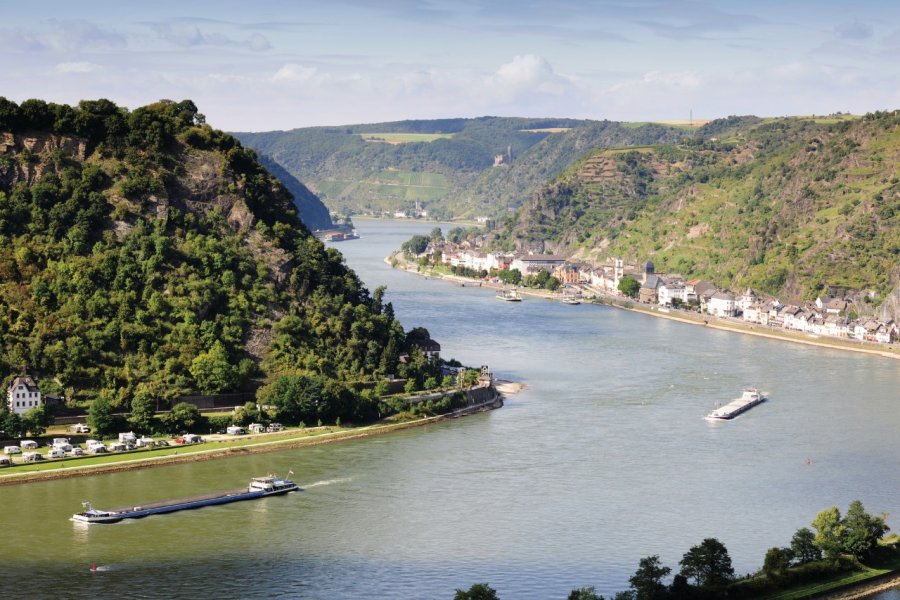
826,316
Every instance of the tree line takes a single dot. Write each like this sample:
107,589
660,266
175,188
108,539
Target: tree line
705,570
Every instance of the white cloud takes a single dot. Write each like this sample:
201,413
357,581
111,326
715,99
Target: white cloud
189,35
76,67
294,73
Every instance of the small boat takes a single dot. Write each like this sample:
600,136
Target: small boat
571,300
509,295
260,487
750,398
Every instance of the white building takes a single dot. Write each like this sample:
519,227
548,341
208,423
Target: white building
533,263
23,395
721,304
671,290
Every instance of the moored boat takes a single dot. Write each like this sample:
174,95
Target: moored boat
509,296
260,487
750,398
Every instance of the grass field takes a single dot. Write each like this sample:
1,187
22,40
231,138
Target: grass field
547,130
403,138
683,123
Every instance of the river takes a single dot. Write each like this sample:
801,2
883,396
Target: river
604,458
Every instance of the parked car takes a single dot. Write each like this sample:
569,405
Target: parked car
12,450
118,447
32,456
81,428
160,443
235,430
275,427
5,461
77,451
56,453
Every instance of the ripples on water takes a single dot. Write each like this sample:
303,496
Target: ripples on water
603,459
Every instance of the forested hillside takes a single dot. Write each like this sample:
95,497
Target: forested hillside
446,165
787,206
145,250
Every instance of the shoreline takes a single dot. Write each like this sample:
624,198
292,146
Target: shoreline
503,387
889,351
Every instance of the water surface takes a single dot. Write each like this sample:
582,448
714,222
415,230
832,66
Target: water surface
603,459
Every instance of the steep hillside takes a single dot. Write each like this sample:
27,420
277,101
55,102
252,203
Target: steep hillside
788,206
454,167
146,250
310,208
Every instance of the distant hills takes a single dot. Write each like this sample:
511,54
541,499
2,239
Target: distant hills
791,206
451,167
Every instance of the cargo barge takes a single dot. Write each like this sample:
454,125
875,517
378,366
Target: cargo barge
260,487
750,398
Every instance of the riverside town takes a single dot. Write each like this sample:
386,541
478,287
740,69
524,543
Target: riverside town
837,313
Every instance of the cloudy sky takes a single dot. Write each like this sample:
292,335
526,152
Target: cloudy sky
279,64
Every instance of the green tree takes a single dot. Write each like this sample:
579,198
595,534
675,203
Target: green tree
647,580
430,383
803,546
213,372
584,593
411,387
415,245
829,532
36,420
143,410
629,286
11,424
776,562
184,417
436,234
246,414
100,413
479,591
862,530
708,564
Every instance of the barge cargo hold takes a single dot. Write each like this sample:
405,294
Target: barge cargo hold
260,487
750,398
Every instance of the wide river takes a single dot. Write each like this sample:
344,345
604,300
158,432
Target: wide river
603,459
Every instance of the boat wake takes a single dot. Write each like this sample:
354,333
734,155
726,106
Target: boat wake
325,482
100,568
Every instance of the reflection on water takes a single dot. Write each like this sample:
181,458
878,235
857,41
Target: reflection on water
603,459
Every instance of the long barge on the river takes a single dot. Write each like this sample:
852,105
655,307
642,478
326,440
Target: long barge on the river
260,487
750,398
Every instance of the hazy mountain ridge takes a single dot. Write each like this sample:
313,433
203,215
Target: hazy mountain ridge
453,177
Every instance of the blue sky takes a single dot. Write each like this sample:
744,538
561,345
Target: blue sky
253,66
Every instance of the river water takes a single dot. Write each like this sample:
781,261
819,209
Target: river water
604,458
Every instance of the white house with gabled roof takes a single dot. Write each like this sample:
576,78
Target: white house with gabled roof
22,395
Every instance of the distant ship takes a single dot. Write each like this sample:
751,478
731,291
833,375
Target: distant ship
340,236
750,398
259,487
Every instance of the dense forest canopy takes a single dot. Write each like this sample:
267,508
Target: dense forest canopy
143,249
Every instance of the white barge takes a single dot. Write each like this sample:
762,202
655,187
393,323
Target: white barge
750,398
259,487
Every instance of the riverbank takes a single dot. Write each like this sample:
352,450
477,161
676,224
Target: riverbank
186,454
724,324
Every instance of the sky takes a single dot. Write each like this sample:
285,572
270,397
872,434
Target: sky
277,64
